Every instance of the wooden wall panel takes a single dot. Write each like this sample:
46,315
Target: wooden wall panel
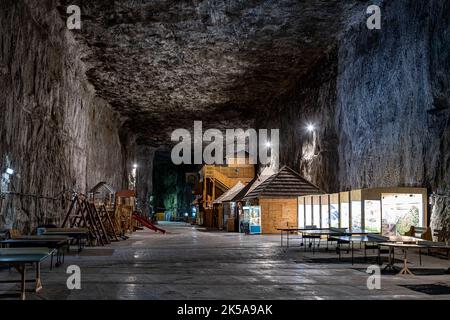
278,213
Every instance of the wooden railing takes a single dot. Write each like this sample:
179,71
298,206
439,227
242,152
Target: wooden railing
227,177
231,173
218,176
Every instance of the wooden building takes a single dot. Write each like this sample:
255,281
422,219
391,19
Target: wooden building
218,179
276,200
223,209
236,217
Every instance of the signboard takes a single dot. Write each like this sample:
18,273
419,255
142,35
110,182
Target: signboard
372,215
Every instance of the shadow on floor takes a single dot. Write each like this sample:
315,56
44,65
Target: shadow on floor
345,260
430,289
415,271
87,252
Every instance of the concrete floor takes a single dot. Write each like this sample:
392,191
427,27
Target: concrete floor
193,263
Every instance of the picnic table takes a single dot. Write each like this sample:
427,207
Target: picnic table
79,234
52,242
375,239
405,247
19,257
330,233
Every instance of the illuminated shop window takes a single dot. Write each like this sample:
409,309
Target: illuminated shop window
308,212
372,216
400,212
356,210
316,211
325,213
301,213
252,215
334,210
356,215
345,209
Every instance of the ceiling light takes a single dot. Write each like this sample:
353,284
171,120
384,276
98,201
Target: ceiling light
310,128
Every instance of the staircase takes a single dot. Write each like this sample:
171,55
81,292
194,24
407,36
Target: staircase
221,180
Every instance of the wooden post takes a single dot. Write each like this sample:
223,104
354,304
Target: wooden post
99,223
205,186
110,223
75,200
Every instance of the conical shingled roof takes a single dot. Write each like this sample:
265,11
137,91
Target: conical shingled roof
285,184
267,172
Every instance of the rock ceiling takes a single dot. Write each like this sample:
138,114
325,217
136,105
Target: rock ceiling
163,64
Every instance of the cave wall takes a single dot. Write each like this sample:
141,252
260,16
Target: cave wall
393,100
380,103
310,101
54,132
389,83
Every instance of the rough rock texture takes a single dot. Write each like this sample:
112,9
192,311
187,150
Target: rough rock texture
379,99
381,106
55,133
311,101
164,64
393,105
394,98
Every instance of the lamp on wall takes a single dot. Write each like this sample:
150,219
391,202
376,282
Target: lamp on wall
310,127
9,171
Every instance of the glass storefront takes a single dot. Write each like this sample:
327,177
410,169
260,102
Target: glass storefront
372,215
390,211
252,217
308,211
356,215
345,209
400,212
301,213
316,211
325,213
334,210
356,210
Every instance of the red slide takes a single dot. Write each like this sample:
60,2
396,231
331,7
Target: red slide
147,223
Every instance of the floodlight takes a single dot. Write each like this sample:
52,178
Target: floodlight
310,128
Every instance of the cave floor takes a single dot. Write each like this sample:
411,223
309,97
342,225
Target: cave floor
194,263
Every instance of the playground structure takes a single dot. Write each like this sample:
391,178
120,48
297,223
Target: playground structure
108,215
